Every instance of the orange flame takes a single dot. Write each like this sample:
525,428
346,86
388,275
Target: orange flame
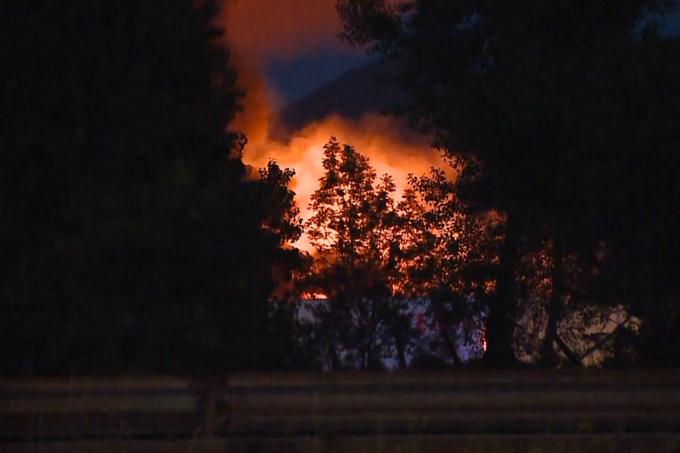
256,30
382,139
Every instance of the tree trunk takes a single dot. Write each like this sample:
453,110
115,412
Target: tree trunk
549,357
444,332
500,322
399,344
333,353
655,333
451,346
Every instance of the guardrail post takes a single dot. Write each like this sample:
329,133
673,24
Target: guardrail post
210,414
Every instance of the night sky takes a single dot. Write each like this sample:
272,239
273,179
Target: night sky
293,74
292,44
294,77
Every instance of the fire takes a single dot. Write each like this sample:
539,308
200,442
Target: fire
255,32
382,139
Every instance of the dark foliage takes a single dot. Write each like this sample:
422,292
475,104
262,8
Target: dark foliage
565,115
131,240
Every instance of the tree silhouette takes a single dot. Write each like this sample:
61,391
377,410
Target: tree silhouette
643,219
378,262
445,255
352,232
131,238
532,98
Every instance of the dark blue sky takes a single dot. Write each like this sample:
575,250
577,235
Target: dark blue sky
673,22
294,76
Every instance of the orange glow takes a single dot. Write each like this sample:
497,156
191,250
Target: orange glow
258,103
313,297
378,137
259,29
281,28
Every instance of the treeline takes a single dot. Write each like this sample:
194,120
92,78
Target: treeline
404,281
135,240
409,281
563,117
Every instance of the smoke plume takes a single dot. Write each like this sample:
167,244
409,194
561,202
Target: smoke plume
257,30
263,29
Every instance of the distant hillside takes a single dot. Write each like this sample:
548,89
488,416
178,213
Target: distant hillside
358,91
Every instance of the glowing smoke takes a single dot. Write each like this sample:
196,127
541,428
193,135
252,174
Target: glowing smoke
260,29
282,28
375,136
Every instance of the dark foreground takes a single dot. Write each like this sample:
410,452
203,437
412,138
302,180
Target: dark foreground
464,411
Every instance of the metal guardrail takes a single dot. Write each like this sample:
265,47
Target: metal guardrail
336,405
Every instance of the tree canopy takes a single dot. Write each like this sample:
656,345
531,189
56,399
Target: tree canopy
132,238
554,110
